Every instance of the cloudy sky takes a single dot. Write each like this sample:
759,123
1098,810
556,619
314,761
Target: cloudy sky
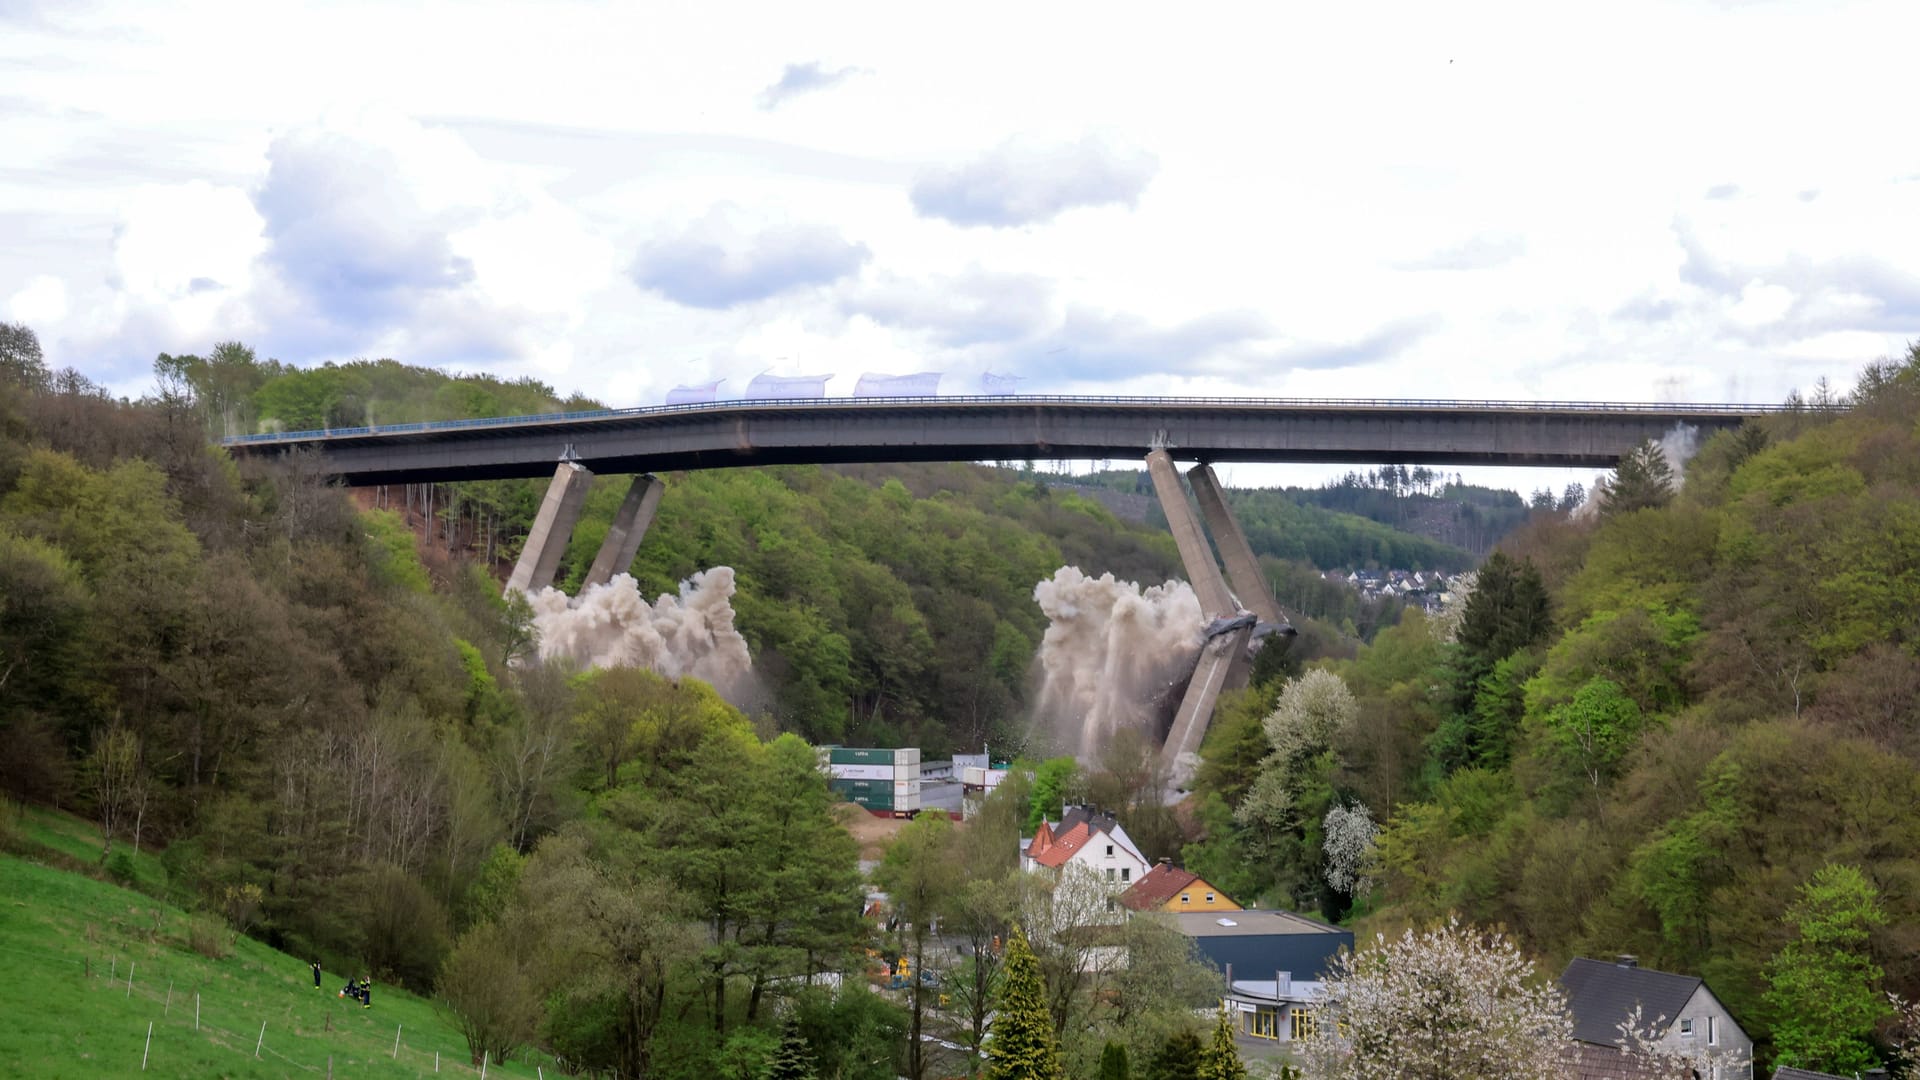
1673,201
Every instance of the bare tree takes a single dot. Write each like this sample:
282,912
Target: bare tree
116,781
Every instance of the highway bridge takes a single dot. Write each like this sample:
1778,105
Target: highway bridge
998,428
572,447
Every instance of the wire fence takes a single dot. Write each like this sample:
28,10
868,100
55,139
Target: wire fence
1003,401
205,1018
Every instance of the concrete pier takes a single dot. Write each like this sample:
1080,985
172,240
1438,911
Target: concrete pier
1221,659
1202,572
628,529
552,527
1243,567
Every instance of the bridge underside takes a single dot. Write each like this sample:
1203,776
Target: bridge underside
733,437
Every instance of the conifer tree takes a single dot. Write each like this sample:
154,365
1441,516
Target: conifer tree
1219,1060
793,1059
1177,1059
1643,479
1113,1062
1023,1045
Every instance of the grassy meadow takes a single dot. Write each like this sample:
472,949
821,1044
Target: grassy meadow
90,964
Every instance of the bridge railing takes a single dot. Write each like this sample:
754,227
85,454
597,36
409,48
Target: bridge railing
827,404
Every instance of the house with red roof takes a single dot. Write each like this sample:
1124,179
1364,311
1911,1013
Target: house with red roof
1088,839
1166,887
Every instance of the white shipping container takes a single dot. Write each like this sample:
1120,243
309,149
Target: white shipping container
992,777
974,776
850,771
907,772
906,802
907,755
906,787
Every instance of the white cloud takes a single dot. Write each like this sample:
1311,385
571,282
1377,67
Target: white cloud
539,196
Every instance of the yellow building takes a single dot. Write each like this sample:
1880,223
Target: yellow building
1167,888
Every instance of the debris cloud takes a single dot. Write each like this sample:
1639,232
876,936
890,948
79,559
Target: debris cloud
612,625
1110,652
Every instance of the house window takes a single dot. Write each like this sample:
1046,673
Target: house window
1126,873
1185,898
1713,1031
1686,1028
1302,1025
1109,873
1109,851
1209,898
1264,1023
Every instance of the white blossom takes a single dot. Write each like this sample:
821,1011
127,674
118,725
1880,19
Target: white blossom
1348,847
1448,1003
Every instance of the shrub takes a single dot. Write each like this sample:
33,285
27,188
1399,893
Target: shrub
209,936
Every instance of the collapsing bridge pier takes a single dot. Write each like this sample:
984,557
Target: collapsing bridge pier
1223,660
560,511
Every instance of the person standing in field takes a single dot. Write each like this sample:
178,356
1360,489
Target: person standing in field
316,974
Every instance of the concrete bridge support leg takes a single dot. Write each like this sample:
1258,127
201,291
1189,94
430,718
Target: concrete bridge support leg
628,529
552,527
1243,567
1202,572
1221,657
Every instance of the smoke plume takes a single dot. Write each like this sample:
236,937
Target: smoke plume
1678,447
1110,651
612,625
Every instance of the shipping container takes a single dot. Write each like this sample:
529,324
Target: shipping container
850,787
905,772
859,755
864,772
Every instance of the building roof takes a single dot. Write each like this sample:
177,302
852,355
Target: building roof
1601,995
1211,924
1785,1072
1157,886
1263,990
1256,943
1056,854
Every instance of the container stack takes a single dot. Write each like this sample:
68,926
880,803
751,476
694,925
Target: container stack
882,780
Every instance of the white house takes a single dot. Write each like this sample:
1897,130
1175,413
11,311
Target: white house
1089,839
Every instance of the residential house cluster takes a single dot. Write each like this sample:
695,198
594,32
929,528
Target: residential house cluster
1273,963
1428,589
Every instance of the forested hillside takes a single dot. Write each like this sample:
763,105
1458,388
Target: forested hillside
1323,528
1650,730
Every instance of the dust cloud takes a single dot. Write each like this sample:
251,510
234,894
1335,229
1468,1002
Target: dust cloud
612,625
1110,653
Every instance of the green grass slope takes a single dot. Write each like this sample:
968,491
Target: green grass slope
89,965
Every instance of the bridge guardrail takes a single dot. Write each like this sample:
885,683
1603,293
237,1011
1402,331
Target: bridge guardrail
1013,399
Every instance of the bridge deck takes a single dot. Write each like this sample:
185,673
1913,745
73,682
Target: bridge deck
1001,428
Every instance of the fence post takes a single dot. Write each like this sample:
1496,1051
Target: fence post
329,1067
130,966
261,1041
196,1010
396,1041
483,1064
148,1048
169,1006
436,1061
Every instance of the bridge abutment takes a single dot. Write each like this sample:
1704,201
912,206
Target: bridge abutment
552,528
628,529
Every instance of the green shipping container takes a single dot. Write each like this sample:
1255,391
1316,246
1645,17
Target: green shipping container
864,755
862,786
873,802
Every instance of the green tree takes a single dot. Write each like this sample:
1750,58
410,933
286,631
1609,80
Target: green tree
1023,1045
792,1059
1178,1058
1054,783
1595,730
921,877
1113,1061
22,364
1823,987
1219,1060
1643,479
487,990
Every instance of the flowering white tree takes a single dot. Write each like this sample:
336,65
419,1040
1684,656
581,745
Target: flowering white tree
1448,1003
1350,833
1446,621
1313,710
